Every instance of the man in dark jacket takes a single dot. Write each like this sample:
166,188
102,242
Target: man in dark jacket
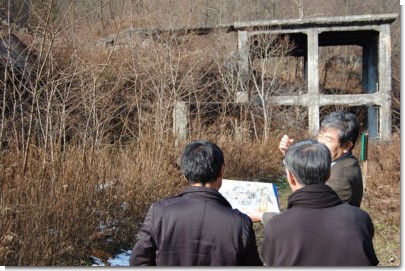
318,228
339,132
198,226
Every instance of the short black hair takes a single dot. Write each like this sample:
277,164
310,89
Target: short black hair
309,161
201,161
345,122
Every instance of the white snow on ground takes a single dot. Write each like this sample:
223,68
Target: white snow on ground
121,259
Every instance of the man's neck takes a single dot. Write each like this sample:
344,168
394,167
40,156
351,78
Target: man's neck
212,185
342,157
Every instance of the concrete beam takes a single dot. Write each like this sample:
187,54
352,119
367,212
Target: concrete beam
373,19
376,99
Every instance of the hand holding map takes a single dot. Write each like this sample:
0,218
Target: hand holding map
251,197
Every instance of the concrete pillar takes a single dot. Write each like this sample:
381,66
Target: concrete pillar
384,79
180,121
313,82
243,49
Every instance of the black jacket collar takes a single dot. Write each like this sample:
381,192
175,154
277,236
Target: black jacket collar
314,196
204,192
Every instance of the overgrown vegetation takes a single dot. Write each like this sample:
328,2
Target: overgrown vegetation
86,128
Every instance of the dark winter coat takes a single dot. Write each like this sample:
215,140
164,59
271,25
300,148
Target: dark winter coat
197,227
318,229
346,180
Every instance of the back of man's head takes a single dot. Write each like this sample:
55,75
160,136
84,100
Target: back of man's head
201,161
345,122
309,161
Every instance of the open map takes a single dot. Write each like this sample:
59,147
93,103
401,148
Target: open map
244,195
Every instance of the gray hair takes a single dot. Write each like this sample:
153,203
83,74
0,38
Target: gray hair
309,161
345,122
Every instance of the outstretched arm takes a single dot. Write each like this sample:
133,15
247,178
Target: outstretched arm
254,214
285,143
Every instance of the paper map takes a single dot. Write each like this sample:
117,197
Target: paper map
244,195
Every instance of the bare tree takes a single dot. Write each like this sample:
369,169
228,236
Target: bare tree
267,61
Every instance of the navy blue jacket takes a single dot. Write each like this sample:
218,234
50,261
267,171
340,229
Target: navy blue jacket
196,227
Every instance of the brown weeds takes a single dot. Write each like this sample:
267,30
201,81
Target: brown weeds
382,199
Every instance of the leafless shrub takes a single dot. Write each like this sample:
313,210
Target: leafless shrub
383,197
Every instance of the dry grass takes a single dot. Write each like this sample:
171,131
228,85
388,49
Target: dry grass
60,214
382,199
80,206
62,211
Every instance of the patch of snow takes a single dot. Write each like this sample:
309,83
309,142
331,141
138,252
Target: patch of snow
121,259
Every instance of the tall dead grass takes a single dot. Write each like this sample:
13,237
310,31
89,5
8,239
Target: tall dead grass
382,199
383,180
57,214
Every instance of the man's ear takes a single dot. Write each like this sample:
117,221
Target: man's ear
218,180
291,178
292,181
347,146
221,172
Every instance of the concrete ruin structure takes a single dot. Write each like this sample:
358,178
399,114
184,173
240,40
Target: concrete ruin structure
371,32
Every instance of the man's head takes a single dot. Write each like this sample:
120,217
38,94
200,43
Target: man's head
307,162
202,162
339,131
